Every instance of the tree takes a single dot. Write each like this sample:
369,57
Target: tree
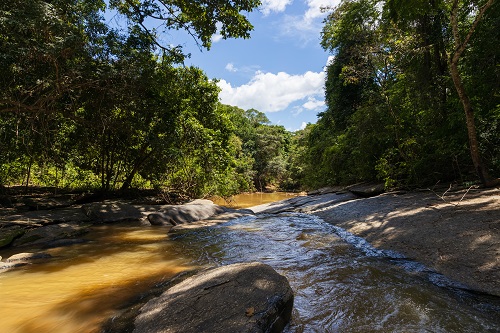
460,43
200,19
350,34
389,92
43,47
114,102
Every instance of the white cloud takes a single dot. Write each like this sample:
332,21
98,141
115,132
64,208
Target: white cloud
268,92
315,11
216,38
313,103
230,67
306,27
330,59
277,6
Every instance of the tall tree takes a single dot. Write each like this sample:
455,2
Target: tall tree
461,39
389,91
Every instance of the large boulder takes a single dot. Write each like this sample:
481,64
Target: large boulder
191,212
111,211
247,297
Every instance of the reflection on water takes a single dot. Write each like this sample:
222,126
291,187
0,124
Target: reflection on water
82,285
338,287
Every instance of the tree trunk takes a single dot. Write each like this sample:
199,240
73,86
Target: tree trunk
28,175
481,171
460,47
137,165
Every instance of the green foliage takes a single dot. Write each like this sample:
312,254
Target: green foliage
83,105
200,19
262,151
393,114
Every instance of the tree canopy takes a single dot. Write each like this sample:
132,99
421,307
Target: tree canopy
402,76
86,104
412,94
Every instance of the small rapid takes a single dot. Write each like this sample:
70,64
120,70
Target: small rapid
342,283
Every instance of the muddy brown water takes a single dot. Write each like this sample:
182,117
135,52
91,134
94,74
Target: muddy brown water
246,200
341,283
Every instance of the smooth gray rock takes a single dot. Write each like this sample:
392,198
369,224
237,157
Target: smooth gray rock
22,259
247,297
367,190
187,213
160,219
111,211
327,190
49,233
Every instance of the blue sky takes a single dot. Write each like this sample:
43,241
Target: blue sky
279,70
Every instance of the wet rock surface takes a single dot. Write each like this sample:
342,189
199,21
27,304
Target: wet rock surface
247,297
50,233
22,259
455,233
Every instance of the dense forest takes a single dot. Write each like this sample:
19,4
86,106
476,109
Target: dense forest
412,94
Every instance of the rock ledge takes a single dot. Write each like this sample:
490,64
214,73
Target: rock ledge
247,297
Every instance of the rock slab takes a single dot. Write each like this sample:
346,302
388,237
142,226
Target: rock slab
191,212
247,297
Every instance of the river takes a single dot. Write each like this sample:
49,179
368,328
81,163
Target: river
341,283
246,200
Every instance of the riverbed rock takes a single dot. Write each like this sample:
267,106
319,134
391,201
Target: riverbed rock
217,219
46,234
191,212
246,297
305,204
43,217
28,256
326,190
22,259
368,189
160,219
7,235
106,212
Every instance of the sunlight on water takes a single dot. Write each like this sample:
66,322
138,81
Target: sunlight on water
342,287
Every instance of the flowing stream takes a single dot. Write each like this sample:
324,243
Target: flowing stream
341,283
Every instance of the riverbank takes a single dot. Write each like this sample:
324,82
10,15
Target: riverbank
455,233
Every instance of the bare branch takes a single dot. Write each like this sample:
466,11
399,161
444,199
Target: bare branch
463,196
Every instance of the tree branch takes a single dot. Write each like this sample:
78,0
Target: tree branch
461,46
